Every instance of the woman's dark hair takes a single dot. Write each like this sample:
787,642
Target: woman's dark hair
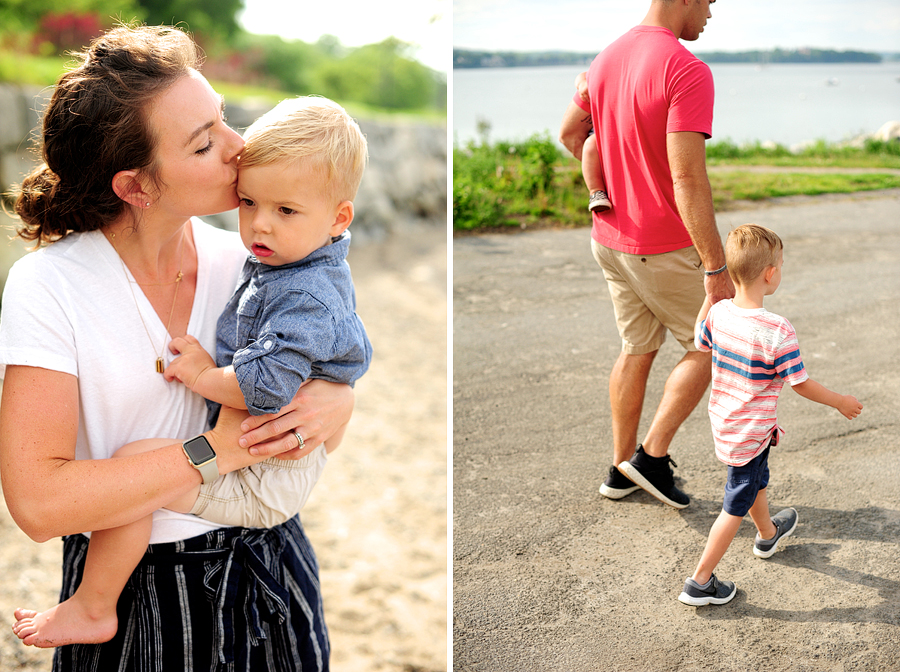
96,125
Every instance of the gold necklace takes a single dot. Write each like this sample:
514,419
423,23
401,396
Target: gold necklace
160,366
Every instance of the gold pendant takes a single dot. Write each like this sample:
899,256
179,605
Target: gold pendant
160,367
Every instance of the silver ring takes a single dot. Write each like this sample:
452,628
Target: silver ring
299,439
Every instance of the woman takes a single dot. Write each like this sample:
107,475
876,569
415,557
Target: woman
135,145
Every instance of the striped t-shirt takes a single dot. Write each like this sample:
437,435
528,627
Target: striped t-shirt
754,353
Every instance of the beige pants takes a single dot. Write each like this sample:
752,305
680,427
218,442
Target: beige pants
262,495
652,293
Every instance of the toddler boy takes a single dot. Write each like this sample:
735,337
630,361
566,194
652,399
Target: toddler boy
754,353
591,169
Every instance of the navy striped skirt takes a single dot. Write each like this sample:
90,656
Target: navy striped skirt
233,599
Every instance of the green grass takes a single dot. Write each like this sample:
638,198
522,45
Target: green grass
737,185
872,154
30,70
25,69
532,184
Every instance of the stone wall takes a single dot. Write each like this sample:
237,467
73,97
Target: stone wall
406,180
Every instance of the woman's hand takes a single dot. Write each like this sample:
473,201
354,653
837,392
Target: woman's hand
319,410
224,439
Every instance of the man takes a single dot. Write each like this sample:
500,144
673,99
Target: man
651,106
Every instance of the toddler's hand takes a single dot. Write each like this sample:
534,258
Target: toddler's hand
582,86
849,406
191,364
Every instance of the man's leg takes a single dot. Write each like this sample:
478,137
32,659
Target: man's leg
684,389
627,385
649,467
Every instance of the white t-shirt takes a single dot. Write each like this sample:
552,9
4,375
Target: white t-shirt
68,307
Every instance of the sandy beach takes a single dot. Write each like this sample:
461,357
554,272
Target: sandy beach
378,517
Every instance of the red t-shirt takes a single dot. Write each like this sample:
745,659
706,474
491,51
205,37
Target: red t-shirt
643,86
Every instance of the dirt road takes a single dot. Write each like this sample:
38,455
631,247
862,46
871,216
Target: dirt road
550,576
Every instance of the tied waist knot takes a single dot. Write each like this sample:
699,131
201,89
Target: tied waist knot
237,582
240,582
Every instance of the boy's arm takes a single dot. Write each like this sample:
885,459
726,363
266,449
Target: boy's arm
848,405
196,369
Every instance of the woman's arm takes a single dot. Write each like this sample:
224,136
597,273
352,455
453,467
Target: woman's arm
49,493
319,411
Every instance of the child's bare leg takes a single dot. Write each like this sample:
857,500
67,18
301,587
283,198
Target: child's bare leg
89,616
720,537
593,175
759,513
590,166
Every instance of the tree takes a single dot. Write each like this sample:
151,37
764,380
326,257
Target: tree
213,19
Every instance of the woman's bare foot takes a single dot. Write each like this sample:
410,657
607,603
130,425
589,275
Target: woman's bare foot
66,623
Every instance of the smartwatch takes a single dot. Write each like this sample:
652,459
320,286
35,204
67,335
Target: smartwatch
202,457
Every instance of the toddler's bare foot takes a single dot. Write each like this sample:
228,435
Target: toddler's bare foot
66,623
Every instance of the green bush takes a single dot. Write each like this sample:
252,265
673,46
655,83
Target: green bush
507,182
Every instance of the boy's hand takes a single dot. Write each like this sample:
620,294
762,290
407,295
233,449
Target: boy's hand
849,406
191,364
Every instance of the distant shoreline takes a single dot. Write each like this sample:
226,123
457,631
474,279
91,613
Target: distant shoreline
469,59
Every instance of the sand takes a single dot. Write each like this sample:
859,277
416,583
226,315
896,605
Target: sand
378,517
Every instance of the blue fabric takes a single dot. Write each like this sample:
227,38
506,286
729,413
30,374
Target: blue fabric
744,484
233,599
285,324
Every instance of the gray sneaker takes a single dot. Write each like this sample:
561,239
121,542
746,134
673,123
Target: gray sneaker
785,524
714,592
599,202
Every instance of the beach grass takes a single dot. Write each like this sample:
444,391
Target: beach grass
535,184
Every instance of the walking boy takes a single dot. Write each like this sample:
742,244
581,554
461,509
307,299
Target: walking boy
754,353
291,318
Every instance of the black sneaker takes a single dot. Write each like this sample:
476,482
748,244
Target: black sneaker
785,524
616,486
655,476
714,592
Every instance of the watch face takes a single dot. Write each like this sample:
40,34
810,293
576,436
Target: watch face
199,450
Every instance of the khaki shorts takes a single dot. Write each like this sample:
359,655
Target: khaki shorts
652,293
263,495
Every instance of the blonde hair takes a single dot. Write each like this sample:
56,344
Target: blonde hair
310,128
749,250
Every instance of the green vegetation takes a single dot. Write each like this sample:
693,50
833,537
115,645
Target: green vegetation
532,183
35,35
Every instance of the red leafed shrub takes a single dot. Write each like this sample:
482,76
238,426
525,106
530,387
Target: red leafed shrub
68,30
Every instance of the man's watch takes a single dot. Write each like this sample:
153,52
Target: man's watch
202,457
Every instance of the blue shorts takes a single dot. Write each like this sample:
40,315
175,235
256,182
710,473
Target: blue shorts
744,483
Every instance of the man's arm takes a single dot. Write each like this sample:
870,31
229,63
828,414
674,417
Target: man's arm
575,128
693,197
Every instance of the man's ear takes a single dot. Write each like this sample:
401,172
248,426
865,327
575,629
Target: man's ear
342,218
127,185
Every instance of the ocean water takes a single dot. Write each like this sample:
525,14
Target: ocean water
784,103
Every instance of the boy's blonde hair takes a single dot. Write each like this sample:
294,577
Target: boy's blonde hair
749,250
310,128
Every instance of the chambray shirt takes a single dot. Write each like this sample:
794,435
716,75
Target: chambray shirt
285,324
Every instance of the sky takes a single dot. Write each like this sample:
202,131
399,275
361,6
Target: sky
736,25
424,23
